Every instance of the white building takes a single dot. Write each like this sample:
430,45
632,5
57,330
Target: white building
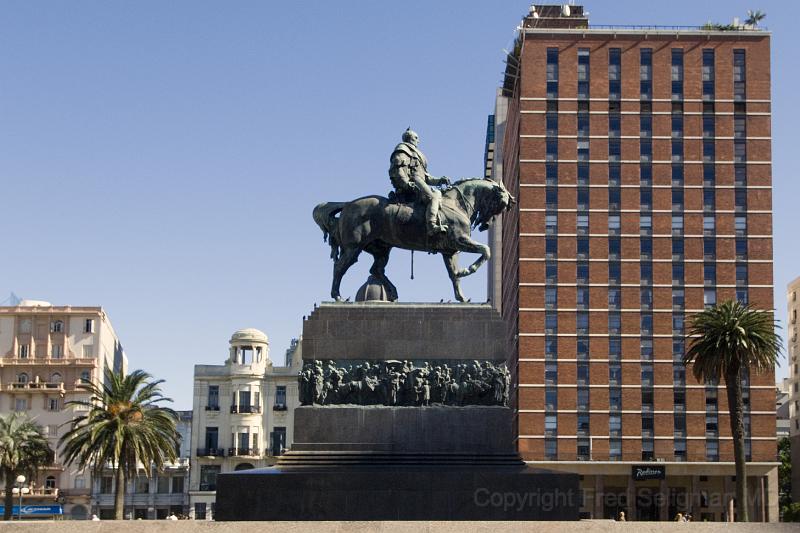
154,497
243,414
45,352
793,356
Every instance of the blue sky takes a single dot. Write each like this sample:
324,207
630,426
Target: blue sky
161,159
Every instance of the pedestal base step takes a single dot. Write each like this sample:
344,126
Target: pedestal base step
397,492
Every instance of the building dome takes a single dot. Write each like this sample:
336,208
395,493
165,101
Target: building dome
249,335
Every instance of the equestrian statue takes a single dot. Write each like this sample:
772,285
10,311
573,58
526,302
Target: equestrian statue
423,213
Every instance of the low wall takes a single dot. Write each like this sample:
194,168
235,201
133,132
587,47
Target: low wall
189,526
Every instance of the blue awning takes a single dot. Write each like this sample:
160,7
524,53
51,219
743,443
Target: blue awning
35,510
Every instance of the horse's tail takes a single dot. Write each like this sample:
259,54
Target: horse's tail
325,217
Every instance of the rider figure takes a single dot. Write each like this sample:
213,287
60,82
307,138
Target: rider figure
408,172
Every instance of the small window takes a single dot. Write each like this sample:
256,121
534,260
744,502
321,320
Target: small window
88,325
646,324
583,323
677,273
646,199
582,272
550,347
550,300
709,297
646,246
614,323
678,298
614,247
550,373
88,351
583,224
646,224
615,347
551,322
583,174
583,348
551,247
614,272
740,223
24,351
106,485
677,249
709,248
53,405
646,273
551,272
613,224
583,247
646,297
583,373
551,398
647,352
551,224
614,374
57,351
57,326
550,425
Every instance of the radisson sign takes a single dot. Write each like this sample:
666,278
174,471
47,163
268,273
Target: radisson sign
643,472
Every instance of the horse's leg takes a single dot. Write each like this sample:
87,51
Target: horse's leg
381,255
466,244
347,257
451,264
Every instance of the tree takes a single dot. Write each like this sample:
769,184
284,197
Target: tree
728,340
754,17
784,474
23,449
125,427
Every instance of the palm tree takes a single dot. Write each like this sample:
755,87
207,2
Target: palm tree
125,427
728,340
754,17
23,448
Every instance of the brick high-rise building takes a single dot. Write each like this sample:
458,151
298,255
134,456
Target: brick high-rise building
640,157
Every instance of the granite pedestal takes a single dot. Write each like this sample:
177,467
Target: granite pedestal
378,462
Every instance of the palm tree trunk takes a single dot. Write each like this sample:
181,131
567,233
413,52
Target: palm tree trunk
8,493
119,494
733,386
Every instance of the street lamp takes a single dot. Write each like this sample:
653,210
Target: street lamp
20,489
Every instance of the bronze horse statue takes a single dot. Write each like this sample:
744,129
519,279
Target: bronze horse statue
376,225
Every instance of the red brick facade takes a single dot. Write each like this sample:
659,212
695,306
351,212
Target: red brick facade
525,234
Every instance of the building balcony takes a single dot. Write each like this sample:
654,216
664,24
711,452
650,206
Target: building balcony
70,493
41,492
245,409
48,361
33,386
211,452
279,407
243,452
208,487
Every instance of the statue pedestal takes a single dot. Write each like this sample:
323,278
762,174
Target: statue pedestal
401,462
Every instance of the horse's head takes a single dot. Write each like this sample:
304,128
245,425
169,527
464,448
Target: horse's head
495,200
